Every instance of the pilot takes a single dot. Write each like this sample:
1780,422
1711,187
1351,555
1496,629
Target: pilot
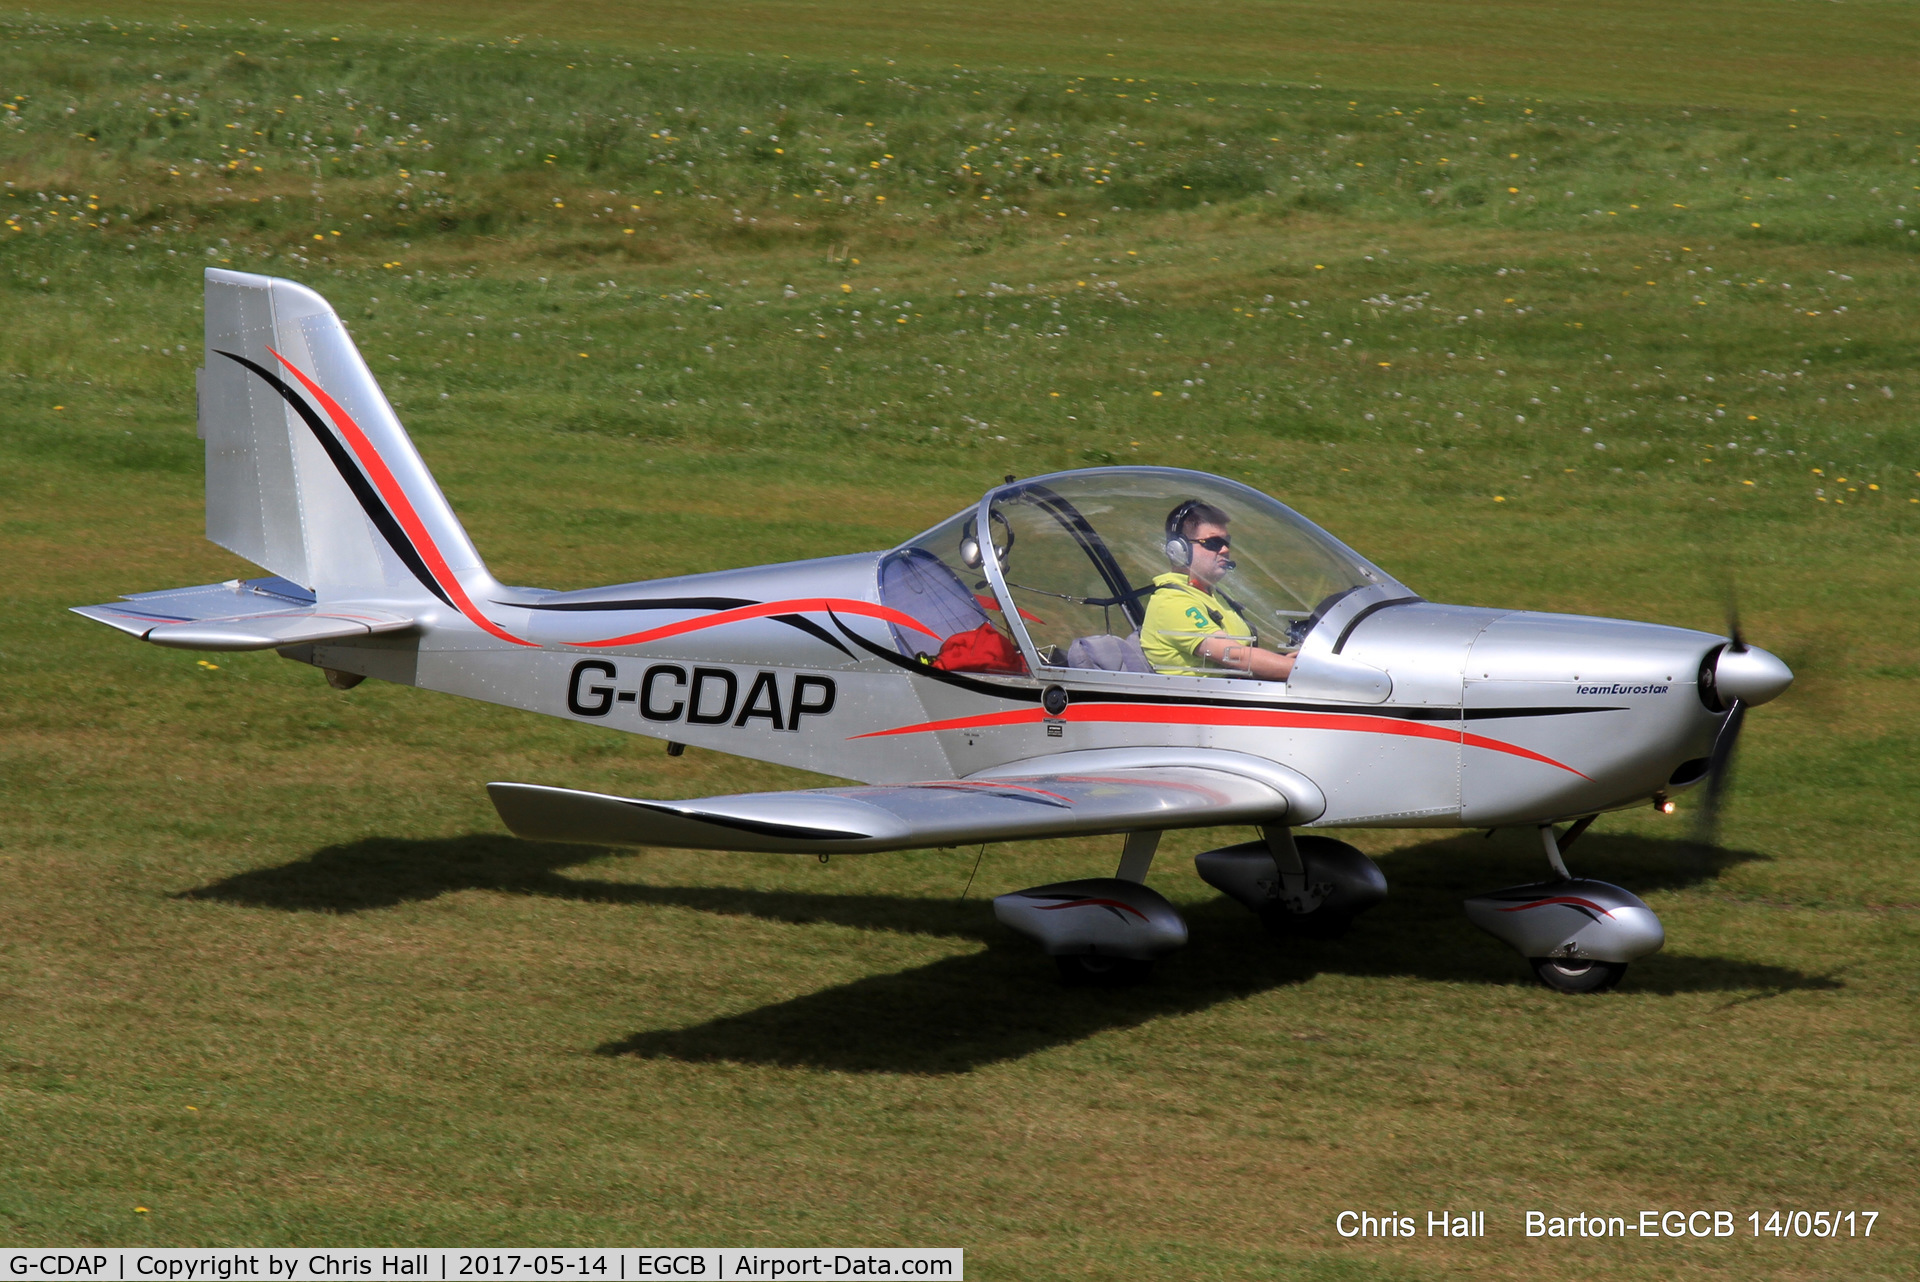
1190,626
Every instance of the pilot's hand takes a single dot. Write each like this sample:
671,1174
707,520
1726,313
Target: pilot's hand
1250,659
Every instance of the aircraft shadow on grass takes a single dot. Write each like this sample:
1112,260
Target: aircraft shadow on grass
1002,1001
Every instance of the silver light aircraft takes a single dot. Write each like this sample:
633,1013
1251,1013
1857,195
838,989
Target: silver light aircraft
1002,676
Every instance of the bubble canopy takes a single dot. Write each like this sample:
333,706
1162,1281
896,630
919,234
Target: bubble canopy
1067,562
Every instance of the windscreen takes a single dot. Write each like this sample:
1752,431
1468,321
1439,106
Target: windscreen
1082,552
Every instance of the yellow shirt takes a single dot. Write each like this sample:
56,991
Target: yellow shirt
1179,617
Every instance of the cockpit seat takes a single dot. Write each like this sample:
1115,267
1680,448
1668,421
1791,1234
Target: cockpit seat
1108,653
918,584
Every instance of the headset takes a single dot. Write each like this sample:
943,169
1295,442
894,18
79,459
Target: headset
971,553
1179,546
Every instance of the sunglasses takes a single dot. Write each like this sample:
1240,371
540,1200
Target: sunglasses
1218,543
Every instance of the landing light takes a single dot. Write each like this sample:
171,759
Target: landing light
1663,803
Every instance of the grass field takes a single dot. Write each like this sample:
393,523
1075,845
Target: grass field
1596,308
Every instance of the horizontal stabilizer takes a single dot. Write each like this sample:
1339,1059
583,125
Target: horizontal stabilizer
252,614
897,816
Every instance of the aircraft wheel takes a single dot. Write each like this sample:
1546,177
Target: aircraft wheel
1571,975
1282,924
1085,970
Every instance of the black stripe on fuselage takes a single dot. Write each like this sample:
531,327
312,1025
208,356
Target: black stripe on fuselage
370,501
954,679
1203,701
805,625
1501,714
812,629
644,603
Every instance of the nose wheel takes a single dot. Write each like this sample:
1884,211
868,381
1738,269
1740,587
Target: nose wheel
1577,935
1576,974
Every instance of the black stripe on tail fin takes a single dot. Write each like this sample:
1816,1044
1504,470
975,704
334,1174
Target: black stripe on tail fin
369,499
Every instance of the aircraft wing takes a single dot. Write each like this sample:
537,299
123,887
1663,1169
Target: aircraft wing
900,816
258,614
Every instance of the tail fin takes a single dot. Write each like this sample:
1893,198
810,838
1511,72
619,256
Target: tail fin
309,472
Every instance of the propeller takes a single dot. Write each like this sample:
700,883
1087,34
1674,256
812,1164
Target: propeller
1720,760
1719,774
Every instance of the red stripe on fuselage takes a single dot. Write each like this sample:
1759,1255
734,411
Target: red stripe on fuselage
1200,715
